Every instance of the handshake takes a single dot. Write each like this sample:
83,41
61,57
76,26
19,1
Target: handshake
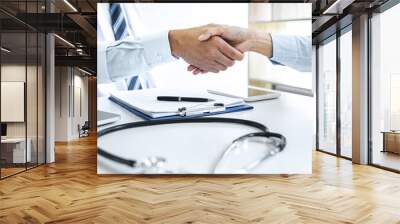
214,48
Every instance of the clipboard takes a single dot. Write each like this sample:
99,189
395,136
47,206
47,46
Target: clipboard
144,116
144,104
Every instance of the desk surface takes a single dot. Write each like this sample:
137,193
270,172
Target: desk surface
291,115
390,132
13,140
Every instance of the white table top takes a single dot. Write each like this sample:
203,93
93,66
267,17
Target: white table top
193,148
13,140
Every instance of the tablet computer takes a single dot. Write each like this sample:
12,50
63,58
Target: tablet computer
104,118
253,94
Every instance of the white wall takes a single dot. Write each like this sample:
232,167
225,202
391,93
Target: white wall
12,73
12,100
79,117
61,103
33,127
70,83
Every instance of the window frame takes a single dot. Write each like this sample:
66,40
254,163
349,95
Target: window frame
44,41
334,37
381,9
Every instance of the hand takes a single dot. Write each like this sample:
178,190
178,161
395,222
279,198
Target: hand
238,37
213,55
241,38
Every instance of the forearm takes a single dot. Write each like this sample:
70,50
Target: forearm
136,56
289,50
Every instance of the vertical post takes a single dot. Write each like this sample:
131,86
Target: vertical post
317,96
50,93
92,103
369,126
338,99
360,90
26,89
1,165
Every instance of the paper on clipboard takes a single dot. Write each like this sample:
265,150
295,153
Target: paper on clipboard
146,101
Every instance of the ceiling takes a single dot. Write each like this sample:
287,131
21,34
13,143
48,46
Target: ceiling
75,43
332,15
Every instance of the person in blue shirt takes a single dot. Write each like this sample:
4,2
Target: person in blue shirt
205,50
288,50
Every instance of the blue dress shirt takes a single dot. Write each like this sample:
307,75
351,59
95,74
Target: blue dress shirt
292,51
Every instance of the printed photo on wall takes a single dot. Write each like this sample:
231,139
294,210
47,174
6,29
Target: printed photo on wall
201,88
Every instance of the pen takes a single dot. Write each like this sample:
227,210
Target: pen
186,99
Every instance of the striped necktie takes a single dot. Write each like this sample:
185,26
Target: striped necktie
118,22
120,30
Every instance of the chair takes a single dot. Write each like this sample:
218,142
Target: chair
84,130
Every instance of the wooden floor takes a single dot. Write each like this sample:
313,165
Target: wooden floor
10,171
387,159
70,191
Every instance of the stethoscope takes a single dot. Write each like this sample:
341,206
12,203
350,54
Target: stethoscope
278,142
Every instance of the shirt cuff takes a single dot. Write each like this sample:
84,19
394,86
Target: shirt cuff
157,49
281,45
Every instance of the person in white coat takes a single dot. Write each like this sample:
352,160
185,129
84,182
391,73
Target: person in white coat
124,56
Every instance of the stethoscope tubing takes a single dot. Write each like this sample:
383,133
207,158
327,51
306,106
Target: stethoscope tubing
137,124
132,163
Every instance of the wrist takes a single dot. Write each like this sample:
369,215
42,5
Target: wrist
261,42
174,43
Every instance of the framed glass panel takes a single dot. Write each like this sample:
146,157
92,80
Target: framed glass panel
385,89
14,153
327,96
262,72
22,88
32,98
32,88
346,94
41,79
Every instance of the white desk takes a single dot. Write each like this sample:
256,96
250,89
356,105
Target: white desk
291,115
19,149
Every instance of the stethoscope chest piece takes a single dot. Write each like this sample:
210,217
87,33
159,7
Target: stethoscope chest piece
152,164
248,152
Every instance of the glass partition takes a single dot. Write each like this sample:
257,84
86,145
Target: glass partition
385,89
31,98
327,96
22,78
346,94
34,50
296,21
14,154
41,111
